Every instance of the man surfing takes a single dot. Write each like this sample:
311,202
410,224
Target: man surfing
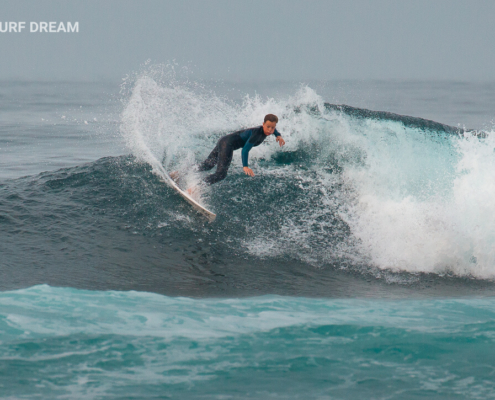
221,155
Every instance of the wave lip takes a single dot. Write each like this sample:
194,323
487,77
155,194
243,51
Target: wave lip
408,121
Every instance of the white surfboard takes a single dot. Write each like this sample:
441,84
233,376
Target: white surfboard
198,207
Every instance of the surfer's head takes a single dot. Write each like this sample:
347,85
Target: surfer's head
269,124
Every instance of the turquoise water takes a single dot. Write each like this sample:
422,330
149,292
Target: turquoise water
66,343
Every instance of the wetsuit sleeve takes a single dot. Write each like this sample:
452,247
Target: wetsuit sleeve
276,133
245,153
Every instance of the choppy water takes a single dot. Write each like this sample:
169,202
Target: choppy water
358,262
66,343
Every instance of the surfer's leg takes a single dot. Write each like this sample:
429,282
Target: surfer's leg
211,161
225,153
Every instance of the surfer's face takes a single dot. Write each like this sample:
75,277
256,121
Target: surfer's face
269,127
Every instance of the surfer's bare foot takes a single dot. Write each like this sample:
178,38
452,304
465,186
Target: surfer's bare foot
192,191
175,176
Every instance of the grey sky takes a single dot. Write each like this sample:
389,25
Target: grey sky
255,40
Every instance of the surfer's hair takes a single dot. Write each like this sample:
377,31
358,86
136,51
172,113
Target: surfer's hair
271,118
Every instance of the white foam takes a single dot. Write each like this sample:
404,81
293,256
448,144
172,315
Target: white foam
429,213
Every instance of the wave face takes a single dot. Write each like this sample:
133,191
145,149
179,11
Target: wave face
354,193
87,344
395,192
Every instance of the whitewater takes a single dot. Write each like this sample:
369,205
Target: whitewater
413,193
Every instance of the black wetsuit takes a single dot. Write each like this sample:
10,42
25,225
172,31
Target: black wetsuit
222,154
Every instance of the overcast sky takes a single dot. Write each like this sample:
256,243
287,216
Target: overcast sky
254,40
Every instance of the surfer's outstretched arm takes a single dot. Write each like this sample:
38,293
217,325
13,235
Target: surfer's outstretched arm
244,155
278,138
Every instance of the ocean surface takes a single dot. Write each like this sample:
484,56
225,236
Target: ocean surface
359,262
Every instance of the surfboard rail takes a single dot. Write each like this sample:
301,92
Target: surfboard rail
198,207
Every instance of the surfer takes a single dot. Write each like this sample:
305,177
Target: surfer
221,155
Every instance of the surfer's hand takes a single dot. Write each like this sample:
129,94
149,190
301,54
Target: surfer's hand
248,171
280,141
